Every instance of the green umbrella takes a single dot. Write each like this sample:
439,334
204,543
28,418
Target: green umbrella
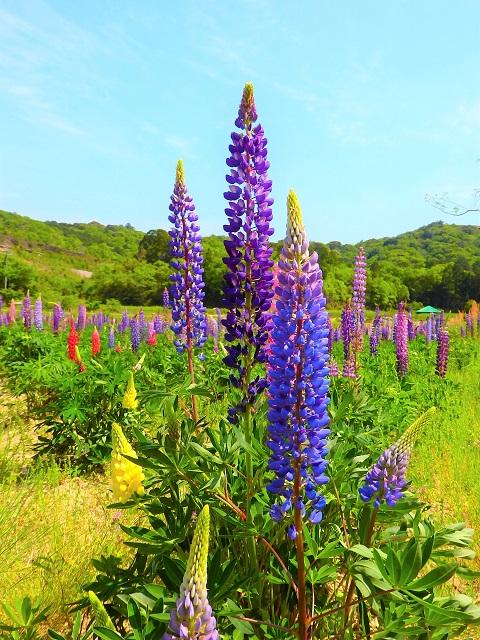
429,309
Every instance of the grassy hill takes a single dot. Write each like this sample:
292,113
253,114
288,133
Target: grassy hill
438,263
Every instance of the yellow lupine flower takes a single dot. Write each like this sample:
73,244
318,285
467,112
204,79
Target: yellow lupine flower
130,398
126,476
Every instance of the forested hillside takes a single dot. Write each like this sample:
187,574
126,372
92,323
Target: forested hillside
437,264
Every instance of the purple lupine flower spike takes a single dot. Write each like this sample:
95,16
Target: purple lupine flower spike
401,340
82,317
359,287
135,338
38,314
248,287
187,290
56,317
1,307
298,380
166,298
375,334
143,324
410,326
442,352
124,322
348,335
26,312
158,324
111,338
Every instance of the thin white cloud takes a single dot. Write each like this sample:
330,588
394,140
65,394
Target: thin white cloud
183,146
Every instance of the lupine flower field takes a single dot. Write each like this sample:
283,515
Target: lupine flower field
272,469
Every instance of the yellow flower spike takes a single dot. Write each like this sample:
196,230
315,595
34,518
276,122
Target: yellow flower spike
100,615
126,476
296,239
130,398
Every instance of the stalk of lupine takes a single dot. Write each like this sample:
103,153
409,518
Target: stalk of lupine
79,361
411,326
192,617
126,476
386,479
142,323
124,322
248,280
187,291
38,314
95,342
82,317
375,334
130,397
27,312
298,386
429,329
152,336
298,418
111,337
12,312
401,340
72,341
135,334
166,298
442,352
348,336
359,287
56,318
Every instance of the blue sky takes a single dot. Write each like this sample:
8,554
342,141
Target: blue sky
367,106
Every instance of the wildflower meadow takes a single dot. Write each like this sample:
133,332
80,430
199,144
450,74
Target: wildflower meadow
273,468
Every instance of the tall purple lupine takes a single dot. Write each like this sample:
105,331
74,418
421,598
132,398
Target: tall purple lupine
38,314
135,338
143,324
401,340
359,287
26,312
82,317
442,352
298,387
189,321
56,318
166,297
411,326
375,333
158,325
248,289
124,322
111,337
348,336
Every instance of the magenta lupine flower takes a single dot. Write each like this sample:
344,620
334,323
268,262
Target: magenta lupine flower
442,352
298,379
82,317
410,326
38,314
187,290
401,340
248,287
359,287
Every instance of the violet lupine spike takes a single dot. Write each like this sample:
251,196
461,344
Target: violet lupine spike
359,287
56,318
82,317
429,329
135,337
376,333
348,336
411,326
38,314
386,479
401,340
442,352
166,297
248,287
298,379
158,325
26,312
124,322
143,324
187,290
111,338
1,307
192,617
